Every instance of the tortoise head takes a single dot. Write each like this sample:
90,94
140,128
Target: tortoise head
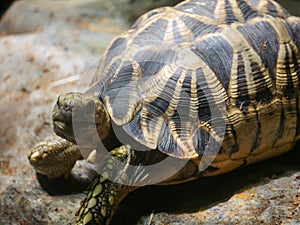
78,116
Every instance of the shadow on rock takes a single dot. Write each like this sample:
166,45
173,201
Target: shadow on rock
189,197
204,193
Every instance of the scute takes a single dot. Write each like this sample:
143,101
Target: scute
198,7
217,53
183,78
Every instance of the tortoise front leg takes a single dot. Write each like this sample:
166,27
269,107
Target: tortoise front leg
54,157
105,195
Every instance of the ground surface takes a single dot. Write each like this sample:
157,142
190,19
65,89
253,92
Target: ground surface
49,48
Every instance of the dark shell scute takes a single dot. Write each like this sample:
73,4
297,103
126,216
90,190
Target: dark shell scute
117,48
159,106
197,27
177,36
289,90
151,62
153,34
217,53
247,10
230,17
264,40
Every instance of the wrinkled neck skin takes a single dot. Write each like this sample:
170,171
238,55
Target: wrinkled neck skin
83,120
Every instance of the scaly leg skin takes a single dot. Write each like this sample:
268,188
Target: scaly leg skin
54,157
105,195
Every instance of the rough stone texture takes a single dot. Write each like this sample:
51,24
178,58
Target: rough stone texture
265,193
132,9
45,49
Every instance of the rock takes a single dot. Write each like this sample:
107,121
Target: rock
46,48
264,193
132,9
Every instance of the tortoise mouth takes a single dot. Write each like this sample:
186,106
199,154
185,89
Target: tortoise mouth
83,133
60,125
63,130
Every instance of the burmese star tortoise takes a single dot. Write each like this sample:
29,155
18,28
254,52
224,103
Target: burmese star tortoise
194,90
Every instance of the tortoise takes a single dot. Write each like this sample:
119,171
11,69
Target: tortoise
198,89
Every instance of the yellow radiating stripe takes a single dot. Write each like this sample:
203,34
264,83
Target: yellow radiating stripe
154,88
150,132
284,42
184,31
236,11
241,46
176,96
181,135
220,12
262,6
200,18
278,9
194,103
134,102
284,50
168,36
233,83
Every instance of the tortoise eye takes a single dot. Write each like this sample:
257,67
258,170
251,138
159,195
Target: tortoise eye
67,107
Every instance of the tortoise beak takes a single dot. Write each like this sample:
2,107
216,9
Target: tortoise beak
62,115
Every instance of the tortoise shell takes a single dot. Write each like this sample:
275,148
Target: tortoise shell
206,73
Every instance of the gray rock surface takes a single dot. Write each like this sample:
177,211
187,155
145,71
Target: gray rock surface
132,9
48,48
